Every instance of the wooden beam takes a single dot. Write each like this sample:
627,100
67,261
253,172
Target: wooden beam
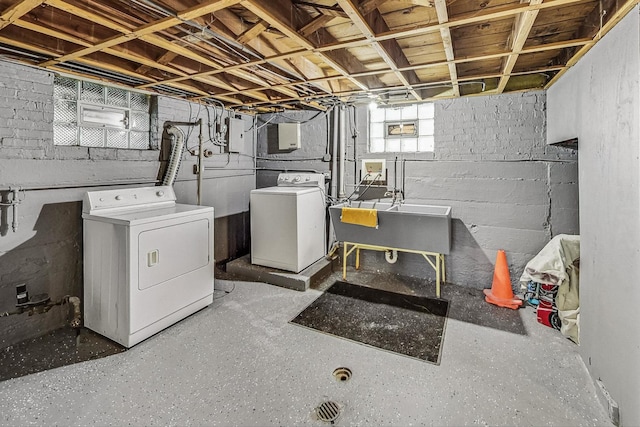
368,6
208,6
613,20
333,79
252,32
459,21
17,10
479,78
521,29
591,26
164,59
238,66
325,10
146,62
473,18
445,34
388,50
315,24
124,54
88,15
279,16
494,13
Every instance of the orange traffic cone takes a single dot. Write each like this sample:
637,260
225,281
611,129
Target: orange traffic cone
501,293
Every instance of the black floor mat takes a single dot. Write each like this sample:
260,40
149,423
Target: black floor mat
409,325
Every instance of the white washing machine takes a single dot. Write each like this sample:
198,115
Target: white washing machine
148,261
288,222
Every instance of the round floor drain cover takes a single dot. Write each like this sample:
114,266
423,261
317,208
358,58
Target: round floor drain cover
342,374
328,411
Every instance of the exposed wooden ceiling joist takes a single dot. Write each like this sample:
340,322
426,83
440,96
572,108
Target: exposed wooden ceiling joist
616,13
389,50
252,32
445,33
521,28
266,52
156,40
15,11
276,13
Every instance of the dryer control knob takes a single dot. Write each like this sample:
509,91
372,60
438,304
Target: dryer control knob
159,193
118,197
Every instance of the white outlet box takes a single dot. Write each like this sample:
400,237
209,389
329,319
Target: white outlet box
374,170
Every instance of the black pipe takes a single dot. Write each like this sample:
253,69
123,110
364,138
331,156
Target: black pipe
170,123
404,164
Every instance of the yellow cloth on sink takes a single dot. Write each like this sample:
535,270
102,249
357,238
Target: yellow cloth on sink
359,216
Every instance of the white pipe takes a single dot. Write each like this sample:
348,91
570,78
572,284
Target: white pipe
391,256
175,159
334,156
343,147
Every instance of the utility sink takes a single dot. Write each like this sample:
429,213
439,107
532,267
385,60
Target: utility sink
401,226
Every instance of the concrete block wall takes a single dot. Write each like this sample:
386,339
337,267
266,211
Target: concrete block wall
508,189
46,250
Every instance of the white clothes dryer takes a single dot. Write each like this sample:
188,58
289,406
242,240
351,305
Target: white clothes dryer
148,261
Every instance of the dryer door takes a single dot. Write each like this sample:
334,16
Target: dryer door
168,252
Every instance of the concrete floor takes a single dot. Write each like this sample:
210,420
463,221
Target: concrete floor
240,363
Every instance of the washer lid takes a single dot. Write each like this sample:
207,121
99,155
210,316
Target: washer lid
146,215
286,191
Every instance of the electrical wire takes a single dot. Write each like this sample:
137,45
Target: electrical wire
265,123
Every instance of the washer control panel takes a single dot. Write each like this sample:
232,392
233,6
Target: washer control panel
128,198
301,179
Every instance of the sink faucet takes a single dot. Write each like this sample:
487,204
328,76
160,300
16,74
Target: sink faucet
396,196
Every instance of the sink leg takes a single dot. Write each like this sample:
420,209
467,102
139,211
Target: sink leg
344,262
438,277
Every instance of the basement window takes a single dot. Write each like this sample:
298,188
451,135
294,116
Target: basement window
89,114
406,129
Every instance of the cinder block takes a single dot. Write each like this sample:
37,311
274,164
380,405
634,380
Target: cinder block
565,195
565,173
564,221
22,153
97,153
20,141
70,152
485,190
140,155
511,239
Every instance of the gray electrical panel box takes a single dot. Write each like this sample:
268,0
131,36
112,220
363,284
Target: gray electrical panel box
288,136
235,135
